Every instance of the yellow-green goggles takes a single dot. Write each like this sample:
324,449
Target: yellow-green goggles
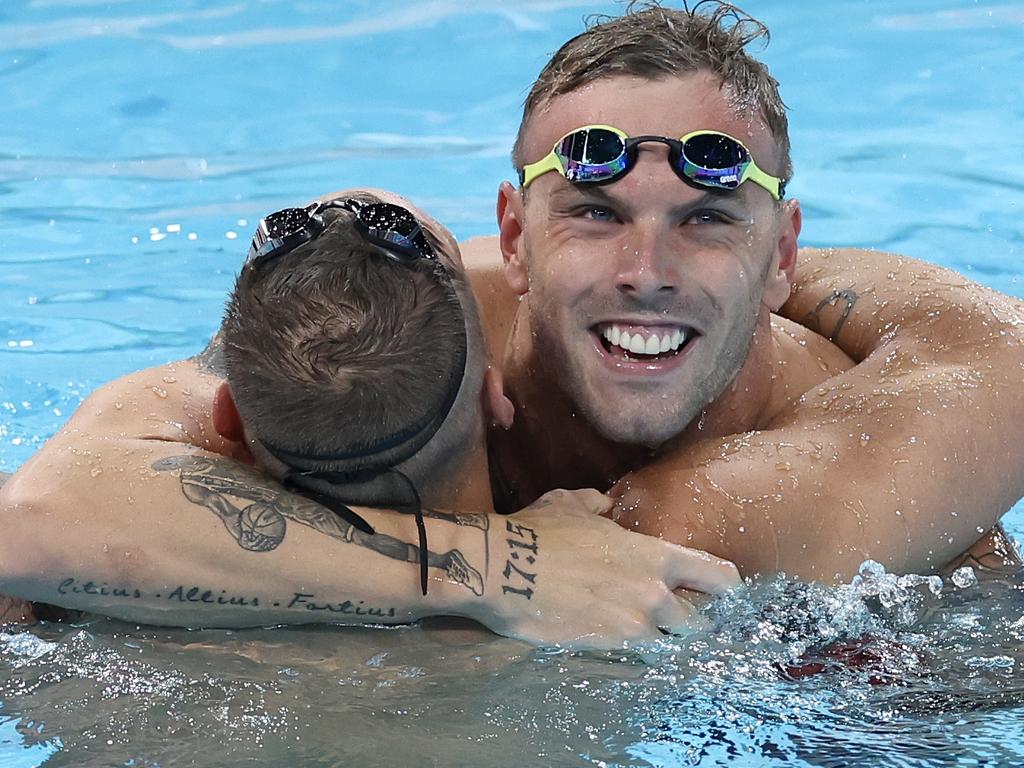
599,153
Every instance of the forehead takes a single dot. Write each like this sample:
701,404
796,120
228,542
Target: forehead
670,106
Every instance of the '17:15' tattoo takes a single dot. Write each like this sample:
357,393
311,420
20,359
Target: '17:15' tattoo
523,551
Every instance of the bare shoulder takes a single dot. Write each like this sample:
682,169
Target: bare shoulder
498,303
154,403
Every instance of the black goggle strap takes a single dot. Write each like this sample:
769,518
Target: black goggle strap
389,488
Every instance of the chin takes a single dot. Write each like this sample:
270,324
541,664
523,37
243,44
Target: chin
641,428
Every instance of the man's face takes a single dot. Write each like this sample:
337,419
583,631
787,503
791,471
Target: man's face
647,261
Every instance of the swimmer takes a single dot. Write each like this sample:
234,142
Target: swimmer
882,428
355,373
651,242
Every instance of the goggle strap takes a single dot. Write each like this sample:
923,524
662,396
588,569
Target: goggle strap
532,171
774,185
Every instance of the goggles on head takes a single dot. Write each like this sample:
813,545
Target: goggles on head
600,153
389,226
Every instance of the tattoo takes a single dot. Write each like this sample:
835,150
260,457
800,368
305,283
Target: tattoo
306,600
197,594
185,593
470,519
813,319
72,586
261,525
993,555
523,550
211,359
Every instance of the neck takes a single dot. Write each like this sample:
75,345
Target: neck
550,444
748,401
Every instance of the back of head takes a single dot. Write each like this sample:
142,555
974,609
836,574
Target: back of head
335,346
653,42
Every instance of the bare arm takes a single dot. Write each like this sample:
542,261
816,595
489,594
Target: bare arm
906,458
162,527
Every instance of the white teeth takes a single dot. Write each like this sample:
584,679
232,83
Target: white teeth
636,343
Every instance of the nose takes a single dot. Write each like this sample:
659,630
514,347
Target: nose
648,268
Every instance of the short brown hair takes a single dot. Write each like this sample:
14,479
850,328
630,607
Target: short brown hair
653,42
335,345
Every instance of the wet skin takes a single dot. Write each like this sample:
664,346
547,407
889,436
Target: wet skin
680,433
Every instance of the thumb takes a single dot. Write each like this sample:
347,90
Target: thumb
595,502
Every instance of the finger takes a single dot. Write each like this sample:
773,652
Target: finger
678,616
700,571
595,502
585,502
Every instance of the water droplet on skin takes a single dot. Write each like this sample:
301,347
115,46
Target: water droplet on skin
864,438
169,379
161,393
95,472
118,406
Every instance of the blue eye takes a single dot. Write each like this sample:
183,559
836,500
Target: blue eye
597,213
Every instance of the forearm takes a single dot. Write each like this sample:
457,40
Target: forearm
864,301
860,470
200,540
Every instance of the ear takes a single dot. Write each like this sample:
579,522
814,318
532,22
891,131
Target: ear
226,420
498,409
510,237
780,278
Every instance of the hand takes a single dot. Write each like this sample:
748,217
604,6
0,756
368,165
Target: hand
561,574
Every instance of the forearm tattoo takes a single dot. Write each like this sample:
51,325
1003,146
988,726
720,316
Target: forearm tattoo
520,567
259,523
843,300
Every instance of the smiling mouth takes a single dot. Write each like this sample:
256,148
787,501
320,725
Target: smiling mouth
643,343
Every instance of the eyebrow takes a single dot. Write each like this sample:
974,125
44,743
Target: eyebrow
600,195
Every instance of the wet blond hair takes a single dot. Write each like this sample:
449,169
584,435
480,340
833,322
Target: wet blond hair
653,42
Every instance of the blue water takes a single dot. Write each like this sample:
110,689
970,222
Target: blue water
140,140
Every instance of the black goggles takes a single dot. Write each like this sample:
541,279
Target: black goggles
389,226
601,153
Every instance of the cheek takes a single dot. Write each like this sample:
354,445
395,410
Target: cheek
560,275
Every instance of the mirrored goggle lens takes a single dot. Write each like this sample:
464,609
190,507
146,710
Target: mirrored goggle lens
593,154
286,222
395,225
714,160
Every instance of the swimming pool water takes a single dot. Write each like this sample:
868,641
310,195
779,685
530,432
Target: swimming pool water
140,142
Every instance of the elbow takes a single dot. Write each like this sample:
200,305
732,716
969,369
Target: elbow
23,548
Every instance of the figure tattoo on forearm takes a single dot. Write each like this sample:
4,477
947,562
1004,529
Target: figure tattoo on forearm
261,524
844,300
